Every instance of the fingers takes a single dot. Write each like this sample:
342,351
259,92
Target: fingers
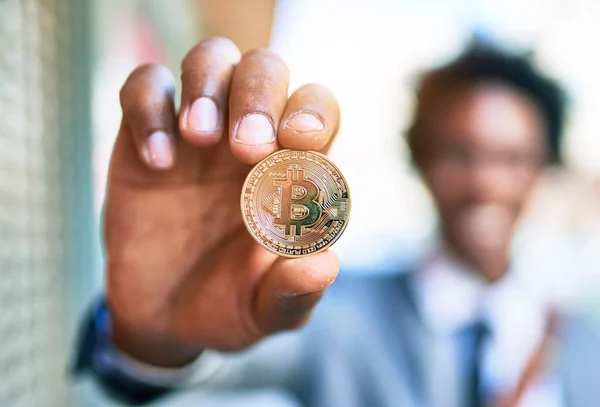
247,102
256,102
260,119
206,73
310,120
148,117
292,288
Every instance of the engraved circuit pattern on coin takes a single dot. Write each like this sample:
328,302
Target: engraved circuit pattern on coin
295,203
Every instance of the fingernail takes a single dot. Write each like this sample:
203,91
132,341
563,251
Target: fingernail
255,129
304,122
158,151
203,115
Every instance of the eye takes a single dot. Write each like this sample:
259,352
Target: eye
456,154
519,158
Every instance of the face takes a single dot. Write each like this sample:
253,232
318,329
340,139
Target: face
484,154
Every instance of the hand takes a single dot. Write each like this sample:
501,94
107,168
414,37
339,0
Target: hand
183,273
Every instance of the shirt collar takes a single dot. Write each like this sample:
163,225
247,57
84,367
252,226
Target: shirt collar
447,293
450,296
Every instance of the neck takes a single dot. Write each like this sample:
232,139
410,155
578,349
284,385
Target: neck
491,267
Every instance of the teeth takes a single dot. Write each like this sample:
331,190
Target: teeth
486,225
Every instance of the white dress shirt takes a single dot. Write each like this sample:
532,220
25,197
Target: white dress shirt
450,297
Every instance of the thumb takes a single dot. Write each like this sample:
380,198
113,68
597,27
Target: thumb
291,289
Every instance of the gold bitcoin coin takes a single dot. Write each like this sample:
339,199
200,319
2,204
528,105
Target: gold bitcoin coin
295,203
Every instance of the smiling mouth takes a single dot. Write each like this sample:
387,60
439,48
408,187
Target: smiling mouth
485,227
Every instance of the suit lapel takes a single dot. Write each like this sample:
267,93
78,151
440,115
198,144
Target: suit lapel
412,337
577,363
430,360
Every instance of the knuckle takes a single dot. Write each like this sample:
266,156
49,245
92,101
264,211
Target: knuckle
259,53
267,59
144,73
215,47
258,82
318,97
139,109
317,90
225,47
144,79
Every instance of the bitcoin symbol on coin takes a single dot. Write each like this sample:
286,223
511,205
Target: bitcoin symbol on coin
299,208
295,203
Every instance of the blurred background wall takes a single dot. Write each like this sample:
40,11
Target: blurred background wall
370,54
47,236
62,63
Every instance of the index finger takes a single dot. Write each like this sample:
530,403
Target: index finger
310,120
257,100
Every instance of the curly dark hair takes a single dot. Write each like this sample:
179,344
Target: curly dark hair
483,63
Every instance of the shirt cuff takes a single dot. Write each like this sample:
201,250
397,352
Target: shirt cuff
193,374
107,357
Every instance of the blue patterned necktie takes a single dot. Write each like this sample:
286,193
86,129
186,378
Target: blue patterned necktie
475,338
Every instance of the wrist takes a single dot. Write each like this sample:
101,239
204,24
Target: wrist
152,349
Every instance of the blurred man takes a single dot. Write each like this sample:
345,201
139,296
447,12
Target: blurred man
186,283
